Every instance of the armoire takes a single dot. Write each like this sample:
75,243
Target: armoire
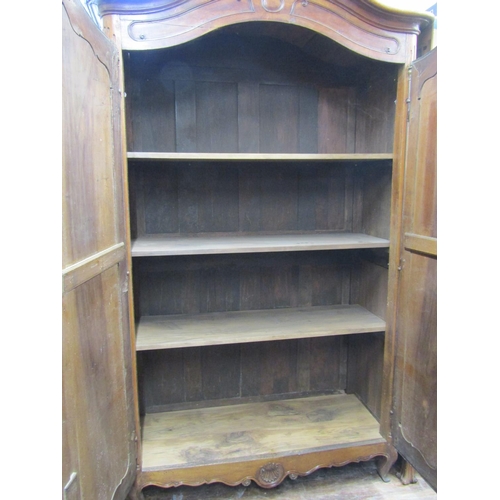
249,242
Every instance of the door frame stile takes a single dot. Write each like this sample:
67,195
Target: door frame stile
111,28
396,241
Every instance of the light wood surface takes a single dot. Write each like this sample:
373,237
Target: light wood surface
236,327
149,246
133,155
99,449
255,430
422,244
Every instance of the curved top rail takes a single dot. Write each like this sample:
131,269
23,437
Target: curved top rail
364,26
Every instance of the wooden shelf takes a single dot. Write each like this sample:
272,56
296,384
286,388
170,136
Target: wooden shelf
237,327
258,156
253,431
151,246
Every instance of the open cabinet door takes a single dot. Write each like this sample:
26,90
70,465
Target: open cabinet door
99,447
415,378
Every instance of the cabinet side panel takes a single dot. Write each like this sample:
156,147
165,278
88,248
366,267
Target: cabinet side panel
376,211
364,376
369,287
375,111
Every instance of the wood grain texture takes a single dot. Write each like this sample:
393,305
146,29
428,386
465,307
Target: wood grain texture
89,226
252,431
219,197
98,429
375,111
168,332
197,377
396,230
364,370
218,283
415,423
92,356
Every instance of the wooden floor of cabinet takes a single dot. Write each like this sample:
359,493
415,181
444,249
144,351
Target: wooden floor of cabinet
262,442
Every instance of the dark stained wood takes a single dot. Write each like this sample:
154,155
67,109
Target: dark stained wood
308,120
414,425
279,119
216,117
369,281
203,284
375,111
248,117
232,95
335,120
185,116
221,375
297,196
98,429
152,123
376,201
364,375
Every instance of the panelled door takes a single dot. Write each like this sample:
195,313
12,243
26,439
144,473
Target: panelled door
415,389
99,448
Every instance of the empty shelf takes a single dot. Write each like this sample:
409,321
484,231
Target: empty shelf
150,246
237,327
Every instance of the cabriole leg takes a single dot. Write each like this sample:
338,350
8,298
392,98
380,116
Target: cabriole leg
385,462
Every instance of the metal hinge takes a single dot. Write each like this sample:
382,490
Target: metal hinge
408,100
401,264
71,488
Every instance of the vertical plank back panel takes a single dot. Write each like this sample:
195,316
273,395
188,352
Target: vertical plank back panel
230,374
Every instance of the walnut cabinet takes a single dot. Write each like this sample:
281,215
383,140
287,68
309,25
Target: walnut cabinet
249,242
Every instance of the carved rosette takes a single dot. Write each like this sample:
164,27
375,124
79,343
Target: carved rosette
270,475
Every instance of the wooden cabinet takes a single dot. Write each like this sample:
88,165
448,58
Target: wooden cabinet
268,237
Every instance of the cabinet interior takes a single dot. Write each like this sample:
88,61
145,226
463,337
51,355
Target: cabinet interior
304,129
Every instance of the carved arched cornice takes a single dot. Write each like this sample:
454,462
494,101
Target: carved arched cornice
364,26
